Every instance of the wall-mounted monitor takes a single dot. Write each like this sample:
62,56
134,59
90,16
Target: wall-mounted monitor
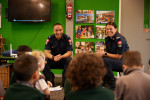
29,10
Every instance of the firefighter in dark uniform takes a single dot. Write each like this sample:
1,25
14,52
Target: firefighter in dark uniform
58,52
116,45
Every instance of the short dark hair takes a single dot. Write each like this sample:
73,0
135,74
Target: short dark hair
149,62
85,71
132,58
22,49
24,67
57,24
112,23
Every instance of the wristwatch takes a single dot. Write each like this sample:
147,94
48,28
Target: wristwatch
105,53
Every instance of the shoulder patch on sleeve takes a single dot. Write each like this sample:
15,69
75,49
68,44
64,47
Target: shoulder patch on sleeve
119,43
47,41
70,42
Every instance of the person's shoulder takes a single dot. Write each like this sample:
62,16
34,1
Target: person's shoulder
146,76
23,87
65,36
51,36
123,79
119,37
105,93
107,38
107,90
16,88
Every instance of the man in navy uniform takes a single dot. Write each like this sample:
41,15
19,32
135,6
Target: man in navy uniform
58,52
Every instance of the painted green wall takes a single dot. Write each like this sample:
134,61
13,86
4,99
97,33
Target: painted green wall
32,34
146,13
95,5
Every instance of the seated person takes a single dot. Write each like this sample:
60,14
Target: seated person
26,72
134,84
116,45
41,83
22,49
84,74
58,52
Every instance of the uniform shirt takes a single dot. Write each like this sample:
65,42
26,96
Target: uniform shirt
116,45
58,46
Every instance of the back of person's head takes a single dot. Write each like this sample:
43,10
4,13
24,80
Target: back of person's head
85,71
22,49
149,62
132,59
41,58
25,66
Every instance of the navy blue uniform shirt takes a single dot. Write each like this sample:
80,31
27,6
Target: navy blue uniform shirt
58,46
116,45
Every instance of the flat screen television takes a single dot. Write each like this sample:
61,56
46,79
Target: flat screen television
29,10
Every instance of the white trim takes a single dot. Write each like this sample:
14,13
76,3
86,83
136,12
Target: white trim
11,53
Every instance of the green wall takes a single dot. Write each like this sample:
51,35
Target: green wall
146,13
32,34
35,34
95,5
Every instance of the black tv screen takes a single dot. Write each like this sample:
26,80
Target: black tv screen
29,10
